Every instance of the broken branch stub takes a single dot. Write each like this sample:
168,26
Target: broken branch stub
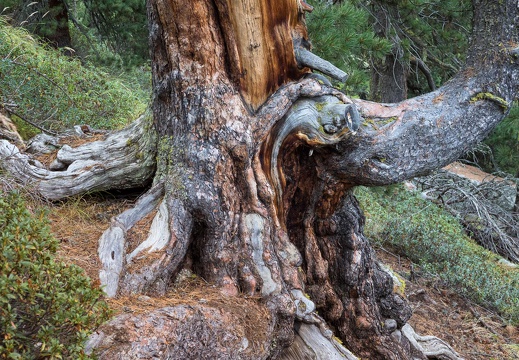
306,58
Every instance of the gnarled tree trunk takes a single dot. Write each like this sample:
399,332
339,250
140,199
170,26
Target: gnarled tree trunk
254,177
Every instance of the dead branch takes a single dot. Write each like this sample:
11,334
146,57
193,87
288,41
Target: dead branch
479,207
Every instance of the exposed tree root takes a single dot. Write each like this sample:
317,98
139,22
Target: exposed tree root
430,346
167,244
124,159
113,245
310,343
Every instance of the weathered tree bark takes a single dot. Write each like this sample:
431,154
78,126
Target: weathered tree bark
254,174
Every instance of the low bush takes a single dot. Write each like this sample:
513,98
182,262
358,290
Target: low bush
47,308
504,142
435,240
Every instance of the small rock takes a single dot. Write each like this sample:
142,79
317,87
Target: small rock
330,129
304,306
57,165
397,336
390,325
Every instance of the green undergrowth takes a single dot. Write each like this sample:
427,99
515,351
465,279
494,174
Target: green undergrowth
436,241
504,142
47,308
56,91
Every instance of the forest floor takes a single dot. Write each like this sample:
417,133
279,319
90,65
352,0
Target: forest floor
474,332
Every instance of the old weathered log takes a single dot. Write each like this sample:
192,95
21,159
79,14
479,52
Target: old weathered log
483,203
124,159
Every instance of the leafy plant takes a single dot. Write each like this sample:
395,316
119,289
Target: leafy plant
47,308
435,240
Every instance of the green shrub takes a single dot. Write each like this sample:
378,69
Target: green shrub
47,308
504,142
56,91
435,240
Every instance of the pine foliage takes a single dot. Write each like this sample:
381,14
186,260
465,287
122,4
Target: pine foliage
343,35
434,32
123,25
504,142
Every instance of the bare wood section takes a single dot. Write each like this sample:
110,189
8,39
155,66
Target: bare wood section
152,269
124,159
310,343
261,43
149,266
